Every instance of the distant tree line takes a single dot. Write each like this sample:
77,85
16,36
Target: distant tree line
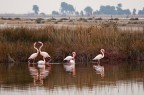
113,10
68,9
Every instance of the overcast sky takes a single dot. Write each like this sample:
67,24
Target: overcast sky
47,6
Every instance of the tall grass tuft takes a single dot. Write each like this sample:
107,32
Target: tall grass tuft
61,41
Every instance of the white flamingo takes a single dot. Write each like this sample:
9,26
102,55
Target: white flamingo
43,53
71,59
34,55
100,56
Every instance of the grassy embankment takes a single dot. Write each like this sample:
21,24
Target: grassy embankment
60,42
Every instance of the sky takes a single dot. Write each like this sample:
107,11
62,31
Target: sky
47,6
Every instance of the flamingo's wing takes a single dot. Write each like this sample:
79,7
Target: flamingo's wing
98,57
72,61
68,58
45,54
33,56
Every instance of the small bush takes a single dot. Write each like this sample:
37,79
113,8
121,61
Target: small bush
9,19
114,19
4,18
39,20
64,19
90,18
98,18
134,18
52,19
17,18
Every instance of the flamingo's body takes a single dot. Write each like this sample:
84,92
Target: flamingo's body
71,59
99,56
68,58
42,53
34,55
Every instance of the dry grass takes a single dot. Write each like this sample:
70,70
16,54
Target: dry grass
59,42
17,22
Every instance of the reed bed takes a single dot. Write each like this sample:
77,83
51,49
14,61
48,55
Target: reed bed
60,42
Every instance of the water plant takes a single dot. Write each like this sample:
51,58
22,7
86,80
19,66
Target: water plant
62,40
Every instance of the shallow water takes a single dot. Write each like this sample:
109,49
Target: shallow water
119,79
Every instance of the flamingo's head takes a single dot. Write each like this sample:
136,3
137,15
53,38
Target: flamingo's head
40,42
73,54
102,50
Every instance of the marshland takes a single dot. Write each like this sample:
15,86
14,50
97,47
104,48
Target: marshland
62,36
77,47
122,65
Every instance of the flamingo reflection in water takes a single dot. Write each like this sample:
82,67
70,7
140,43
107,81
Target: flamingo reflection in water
70,68
39,73
99,70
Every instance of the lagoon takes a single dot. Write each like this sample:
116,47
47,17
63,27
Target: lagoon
120,78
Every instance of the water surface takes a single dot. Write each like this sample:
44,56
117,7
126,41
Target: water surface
120,78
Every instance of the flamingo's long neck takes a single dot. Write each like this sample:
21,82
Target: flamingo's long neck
73,55
44,60
102,53
40,47
36,49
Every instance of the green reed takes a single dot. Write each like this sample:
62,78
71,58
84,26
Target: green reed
61,41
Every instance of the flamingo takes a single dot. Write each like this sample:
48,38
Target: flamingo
43,53
100,56
34,55
71,59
